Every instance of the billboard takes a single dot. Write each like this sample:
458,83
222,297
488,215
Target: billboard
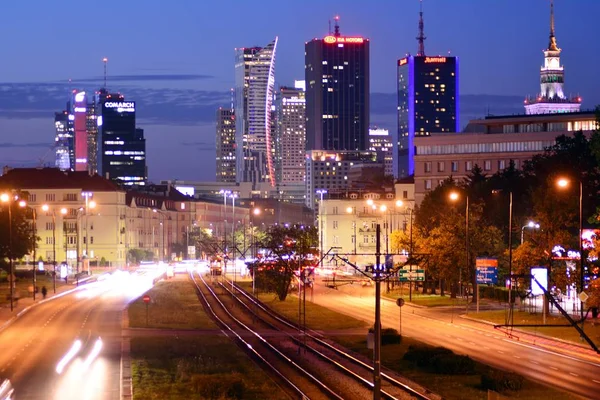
541,276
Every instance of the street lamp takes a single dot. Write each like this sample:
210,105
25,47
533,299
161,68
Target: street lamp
233,244
63,211
564,183
454,196
89,204
162,225
23,204
531,225
350,210
10,198
321,192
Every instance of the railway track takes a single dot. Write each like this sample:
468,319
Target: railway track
337,368
295,380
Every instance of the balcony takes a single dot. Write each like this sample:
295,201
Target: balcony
366,245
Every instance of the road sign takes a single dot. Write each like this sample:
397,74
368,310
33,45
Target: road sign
415,275
487,275
146,299
191,251
583,296
400,302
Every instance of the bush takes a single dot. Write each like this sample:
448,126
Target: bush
423,355
453,364
219,386
388,336
501,381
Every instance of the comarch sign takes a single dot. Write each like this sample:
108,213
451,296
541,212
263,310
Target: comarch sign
120,104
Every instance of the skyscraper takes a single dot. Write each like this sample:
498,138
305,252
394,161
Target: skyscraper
225,143
428,101
92,136
552,98
254,90
121,146
63,140
291,134
337,92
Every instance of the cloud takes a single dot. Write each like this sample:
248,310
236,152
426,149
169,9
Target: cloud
146,77
6,145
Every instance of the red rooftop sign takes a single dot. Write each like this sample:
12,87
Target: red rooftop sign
340,39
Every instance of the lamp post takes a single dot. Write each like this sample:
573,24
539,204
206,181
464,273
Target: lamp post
162,228
351,210
23,204
531,225
89,204
321,192
63,211
225,193
256,212
454,196
563,183
9,198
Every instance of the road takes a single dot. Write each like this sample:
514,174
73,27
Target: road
34,344
574,370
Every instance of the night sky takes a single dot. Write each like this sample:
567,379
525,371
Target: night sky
175,58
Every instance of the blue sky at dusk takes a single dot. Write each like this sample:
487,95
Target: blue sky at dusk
175,58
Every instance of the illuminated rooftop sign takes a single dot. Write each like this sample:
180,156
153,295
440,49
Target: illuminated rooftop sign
403,61
340,39
430,60
121,106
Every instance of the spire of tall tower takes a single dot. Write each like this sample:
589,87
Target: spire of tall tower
336,32
105,61
552,46
421,38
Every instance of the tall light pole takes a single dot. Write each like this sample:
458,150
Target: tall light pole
162,225
9,199
63,211
321,192
563,183
454,196
233,244
351,210
89,204
225,193
377,330
23,204
531,225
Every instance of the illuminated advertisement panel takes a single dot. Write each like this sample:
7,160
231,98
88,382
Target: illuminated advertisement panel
81,147
541,276
341,39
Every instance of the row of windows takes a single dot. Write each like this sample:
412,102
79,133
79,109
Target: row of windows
70,240
476,148
51,197
487,165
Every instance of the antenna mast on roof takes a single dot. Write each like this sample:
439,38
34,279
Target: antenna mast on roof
336,33
421,38
105,61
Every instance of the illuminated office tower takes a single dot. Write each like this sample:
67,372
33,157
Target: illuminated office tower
337,92
291,134
428,101
225,142
63,140
121,146
254,90
92,136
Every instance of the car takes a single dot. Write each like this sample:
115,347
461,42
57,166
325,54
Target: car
7,392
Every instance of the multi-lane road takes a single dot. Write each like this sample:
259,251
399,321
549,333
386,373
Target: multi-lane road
569,368
34,345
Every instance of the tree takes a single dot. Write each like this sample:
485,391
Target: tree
135,256
22,235
291,249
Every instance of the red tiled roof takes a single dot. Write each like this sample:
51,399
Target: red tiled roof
53,178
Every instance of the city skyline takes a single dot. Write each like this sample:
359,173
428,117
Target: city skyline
178,97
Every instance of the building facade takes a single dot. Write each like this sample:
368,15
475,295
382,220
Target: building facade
551,98
491,144
254,92
291,135
347,224
121,146
428,101
118,221
329,171
337,93
382,144
225,143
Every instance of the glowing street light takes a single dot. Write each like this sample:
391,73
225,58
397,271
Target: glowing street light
530,225
454,196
